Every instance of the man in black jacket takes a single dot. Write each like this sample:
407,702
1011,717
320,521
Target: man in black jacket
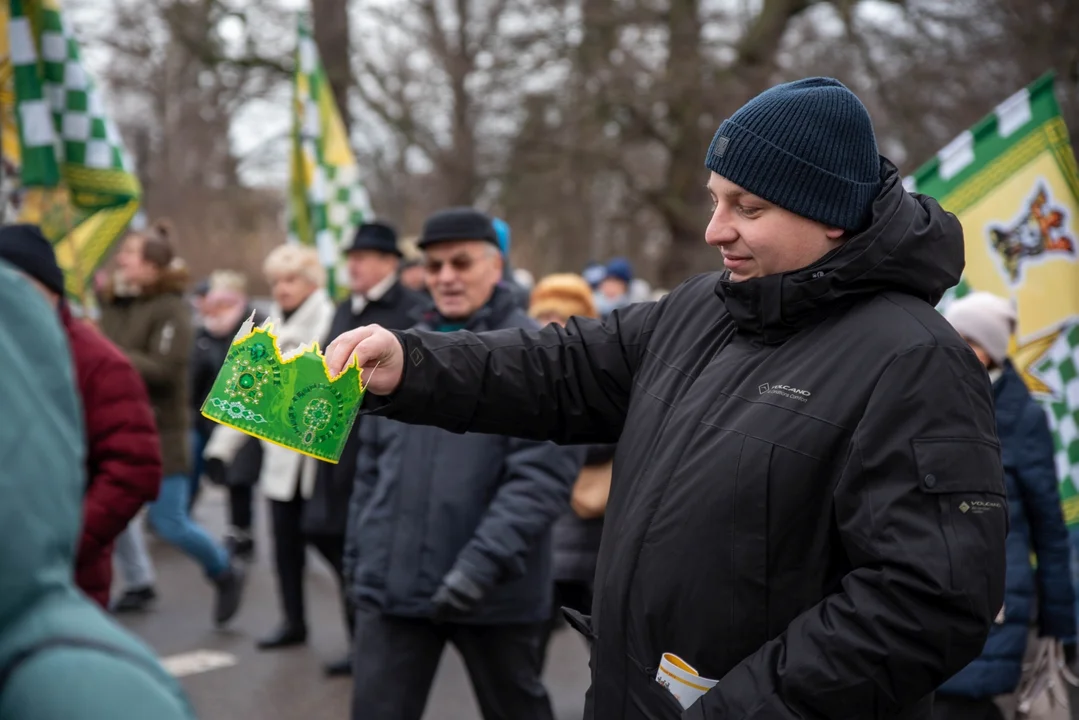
808,500
378,297
449,535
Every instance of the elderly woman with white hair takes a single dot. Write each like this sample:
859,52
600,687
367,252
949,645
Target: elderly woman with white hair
302,312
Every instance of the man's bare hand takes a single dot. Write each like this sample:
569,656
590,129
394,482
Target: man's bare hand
372,345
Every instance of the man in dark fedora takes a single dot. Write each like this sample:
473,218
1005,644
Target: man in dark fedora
377,296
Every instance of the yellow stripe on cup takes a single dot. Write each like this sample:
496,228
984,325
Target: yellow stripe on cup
679,662
683,681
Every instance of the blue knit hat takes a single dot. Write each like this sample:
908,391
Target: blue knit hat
807,146
619,268
502,231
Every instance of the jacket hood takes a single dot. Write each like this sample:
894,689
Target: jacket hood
911,245
42,461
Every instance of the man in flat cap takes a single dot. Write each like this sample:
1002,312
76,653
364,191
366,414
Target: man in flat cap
449,535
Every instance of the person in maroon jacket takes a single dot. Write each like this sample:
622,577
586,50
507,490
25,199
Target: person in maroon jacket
123,461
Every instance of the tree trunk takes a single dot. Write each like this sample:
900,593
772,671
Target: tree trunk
681,195
331,30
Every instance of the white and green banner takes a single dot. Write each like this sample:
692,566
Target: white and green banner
1012,182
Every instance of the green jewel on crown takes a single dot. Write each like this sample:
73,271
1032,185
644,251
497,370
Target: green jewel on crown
289,399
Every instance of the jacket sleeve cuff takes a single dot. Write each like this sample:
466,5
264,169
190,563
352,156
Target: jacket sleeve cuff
477,568
408,393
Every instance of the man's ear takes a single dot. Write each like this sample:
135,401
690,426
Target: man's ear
834,233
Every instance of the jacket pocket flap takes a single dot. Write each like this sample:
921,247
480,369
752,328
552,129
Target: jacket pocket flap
958,465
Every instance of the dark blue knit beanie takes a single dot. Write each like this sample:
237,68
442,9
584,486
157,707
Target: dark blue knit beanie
807,146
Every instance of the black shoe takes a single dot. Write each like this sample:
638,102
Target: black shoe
135,600
230,590
240,545
340,668
285,636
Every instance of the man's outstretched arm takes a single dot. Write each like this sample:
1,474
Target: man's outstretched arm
567,384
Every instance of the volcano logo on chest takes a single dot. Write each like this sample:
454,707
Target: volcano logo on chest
784,390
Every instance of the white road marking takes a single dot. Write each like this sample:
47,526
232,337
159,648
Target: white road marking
197,661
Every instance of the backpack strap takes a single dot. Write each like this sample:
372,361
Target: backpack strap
8,669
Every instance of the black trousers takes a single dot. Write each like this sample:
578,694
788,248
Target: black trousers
395,659
290,557
241,506
954,707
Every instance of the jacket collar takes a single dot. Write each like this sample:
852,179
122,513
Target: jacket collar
489,317
911,245
376,294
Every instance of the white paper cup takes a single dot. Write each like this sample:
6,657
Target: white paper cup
682,679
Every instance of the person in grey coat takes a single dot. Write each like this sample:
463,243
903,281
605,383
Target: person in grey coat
449,535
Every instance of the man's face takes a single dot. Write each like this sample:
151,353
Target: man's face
461,276
758,238
367,268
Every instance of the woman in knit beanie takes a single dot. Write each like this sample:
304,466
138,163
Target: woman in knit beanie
987,323
557,298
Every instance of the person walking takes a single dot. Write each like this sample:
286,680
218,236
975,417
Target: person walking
449,535
123,456
301,314
60,656
795,436
146,316
1037,529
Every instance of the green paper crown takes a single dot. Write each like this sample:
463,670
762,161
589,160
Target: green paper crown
292,401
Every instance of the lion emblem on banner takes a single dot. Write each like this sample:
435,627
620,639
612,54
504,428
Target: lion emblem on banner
1040,230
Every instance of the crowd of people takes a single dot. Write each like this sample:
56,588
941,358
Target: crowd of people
794,475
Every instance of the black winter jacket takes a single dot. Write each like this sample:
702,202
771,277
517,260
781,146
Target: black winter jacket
427,502
793,454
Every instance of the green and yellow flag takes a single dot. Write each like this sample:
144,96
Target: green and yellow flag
327,201
76,181
1012,182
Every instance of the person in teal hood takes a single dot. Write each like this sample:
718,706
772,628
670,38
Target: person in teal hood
61,657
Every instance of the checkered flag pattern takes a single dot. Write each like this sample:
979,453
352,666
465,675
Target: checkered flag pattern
327,201
1059,370
61,116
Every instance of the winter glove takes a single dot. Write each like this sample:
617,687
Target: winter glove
457,597
215,470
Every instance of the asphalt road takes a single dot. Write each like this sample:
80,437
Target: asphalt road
227,678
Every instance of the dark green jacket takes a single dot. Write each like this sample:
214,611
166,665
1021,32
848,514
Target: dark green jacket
155,332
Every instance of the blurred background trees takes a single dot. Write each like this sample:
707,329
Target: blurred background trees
583,123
